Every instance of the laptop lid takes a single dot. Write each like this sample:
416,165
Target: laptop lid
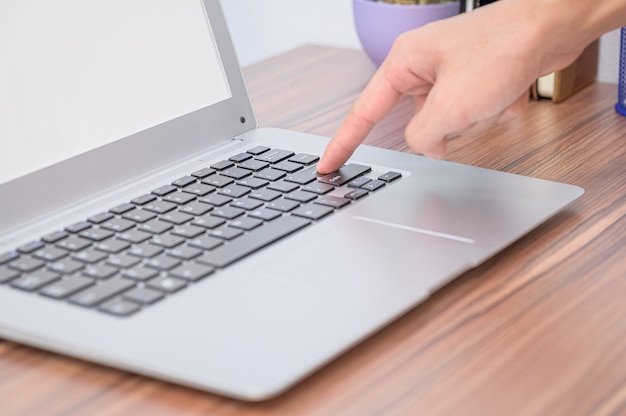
143,106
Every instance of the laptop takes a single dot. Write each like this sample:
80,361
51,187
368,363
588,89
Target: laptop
147,223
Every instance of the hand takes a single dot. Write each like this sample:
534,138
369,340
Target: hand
464,74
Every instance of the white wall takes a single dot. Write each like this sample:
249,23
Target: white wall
262,28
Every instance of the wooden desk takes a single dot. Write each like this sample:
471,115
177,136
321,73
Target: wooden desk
540,329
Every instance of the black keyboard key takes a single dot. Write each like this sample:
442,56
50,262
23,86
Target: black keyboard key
254,165
203,173
208,221
185,252
373,185
55,236
228,213
228,253
35,280
192,272
50,253
140,273
30,247
26,264
312,211
283,186
156,226
358,182
160,207
134,236
89,256
100,218
122,261
112,246
224,164
145,250
187,231
318,188
240,157
78,227
199,189
144,199
179,197
332,201
65,287
218,181
206,242
66,266
245,223
258,150
7,275
97,293
264,214
96,234
226,233
162,262
389,176
164,190
74,244
283,205
118,225
303,177
286,166
247,203
120,209
356,194
177,218
254,183
234,191
99,271
270,174
7,257
184,181
264,194
143,296
139,215
235,173
166,284
345,174
275,155
301,196
119,307
167,241
216,200
304,159
196,208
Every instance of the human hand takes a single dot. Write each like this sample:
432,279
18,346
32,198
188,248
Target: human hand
464,74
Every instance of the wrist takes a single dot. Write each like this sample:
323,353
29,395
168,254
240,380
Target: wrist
559,30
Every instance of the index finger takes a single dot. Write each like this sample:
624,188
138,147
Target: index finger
374,103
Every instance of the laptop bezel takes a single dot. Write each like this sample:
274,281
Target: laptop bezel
50,189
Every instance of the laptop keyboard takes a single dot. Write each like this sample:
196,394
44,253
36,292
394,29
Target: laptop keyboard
142,252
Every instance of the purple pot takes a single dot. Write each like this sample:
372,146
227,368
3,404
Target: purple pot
379,24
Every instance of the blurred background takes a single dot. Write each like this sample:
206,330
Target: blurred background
261,29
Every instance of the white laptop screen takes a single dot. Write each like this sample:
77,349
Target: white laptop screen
79,74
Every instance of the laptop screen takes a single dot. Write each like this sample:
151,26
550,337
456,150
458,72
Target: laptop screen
79,74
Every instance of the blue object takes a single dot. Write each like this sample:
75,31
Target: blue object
621,85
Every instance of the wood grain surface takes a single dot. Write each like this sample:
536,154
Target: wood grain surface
539,329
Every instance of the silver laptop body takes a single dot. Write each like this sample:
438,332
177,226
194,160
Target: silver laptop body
252,329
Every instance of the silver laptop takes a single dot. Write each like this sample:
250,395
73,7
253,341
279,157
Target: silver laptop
148,224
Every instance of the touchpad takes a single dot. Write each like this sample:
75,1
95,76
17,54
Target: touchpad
368,257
